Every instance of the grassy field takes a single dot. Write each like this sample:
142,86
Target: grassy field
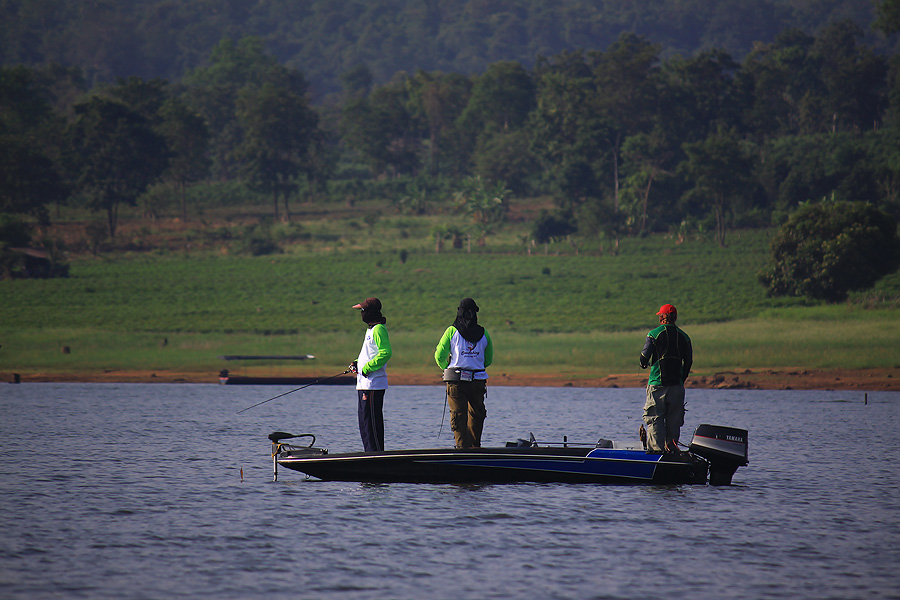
843,339
549,309
312,292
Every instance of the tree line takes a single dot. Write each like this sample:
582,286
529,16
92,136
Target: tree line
324,38
623,141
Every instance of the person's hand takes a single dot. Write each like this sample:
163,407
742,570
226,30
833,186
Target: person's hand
352,368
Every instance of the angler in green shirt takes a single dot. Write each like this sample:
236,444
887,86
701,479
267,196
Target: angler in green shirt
668,353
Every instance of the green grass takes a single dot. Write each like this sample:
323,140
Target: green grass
555,312
312,292
855,341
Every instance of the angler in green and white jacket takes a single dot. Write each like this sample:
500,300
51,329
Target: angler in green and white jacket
464,352
371,375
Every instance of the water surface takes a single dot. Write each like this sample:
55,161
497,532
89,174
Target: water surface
152,491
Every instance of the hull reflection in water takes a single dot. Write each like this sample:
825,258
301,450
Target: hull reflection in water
714,455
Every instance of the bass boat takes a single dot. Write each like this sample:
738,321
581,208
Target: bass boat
714,454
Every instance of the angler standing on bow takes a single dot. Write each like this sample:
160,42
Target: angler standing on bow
464,352
371,376
668,353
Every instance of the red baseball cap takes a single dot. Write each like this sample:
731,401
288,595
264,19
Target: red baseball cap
667,309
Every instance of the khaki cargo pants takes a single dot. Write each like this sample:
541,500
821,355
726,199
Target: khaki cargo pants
467,411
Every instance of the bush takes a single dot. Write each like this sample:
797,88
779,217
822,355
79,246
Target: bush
827,250
549,227
257,241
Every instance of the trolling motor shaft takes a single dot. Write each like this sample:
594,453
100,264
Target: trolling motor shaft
279,447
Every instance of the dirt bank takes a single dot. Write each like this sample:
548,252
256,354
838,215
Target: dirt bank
768,379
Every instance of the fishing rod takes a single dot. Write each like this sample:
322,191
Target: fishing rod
294,390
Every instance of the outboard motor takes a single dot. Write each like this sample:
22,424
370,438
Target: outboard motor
724,447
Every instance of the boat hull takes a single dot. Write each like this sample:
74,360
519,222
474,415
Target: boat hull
499,465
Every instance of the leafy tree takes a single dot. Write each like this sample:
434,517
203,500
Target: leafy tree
146,98
778,77
507,156
853,76
701,95
28,179
278,130
438,100
185,131
797,169
888,17
720,170
884,149
829,249
213,91
568,130
114,155
382,130
627,83
187,137
644,161
485,203
502,98
357,82
23,107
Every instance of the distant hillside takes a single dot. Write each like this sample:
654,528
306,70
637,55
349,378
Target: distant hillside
325,38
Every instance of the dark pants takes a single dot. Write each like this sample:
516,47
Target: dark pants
467,411
371,419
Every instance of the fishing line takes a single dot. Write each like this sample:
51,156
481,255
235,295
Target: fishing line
442,415
294,390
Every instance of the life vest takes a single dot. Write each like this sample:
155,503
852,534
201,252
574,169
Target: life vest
671,348
467,355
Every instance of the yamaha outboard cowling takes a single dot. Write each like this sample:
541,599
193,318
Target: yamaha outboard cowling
724,447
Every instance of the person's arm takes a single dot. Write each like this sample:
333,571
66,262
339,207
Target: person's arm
383,342
647,352
442,351
488,350
688,359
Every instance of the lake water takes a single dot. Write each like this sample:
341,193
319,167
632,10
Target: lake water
136,491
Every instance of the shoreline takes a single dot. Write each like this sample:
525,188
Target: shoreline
885,380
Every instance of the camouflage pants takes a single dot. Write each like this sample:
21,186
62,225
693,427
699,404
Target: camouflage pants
664,416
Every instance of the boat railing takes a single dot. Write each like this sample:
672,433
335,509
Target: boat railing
565,443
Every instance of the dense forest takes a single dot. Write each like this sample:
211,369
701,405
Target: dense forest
107,104
325,38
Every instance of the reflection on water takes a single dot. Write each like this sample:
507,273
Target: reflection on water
135,491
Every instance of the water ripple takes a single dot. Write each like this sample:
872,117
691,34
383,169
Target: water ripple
135,491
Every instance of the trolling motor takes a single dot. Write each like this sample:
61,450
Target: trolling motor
724,447
280,448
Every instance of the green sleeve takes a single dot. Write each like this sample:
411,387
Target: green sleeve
383,342
488,350
442,352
